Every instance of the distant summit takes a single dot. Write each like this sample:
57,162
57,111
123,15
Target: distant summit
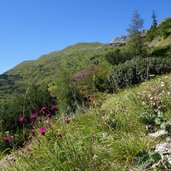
119,40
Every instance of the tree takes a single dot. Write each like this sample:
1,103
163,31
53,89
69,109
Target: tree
154,19
135,40
152,32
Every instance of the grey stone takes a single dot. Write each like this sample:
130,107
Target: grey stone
158,133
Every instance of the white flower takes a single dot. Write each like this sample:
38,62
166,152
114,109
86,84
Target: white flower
162,84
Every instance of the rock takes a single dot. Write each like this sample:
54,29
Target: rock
158,133
162,148
121,39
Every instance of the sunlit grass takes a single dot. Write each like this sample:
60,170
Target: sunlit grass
105,138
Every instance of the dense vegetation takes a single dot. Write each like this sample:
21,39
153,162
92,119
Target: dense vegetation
110,137
42,95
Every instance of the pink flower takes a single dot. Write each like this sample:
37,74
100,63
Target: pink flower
49,115
34,116
7,139
43,109
21,120
42,131
53,107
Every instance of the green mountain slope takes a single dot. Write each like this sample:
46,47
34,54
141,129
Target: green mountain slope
47,68
110,137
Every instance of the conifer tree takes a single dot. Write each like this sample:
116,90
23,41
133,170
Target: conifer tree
154,19
135,41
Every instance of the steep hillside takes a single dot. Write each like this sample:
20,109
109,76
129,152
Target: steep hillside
110,137
46,69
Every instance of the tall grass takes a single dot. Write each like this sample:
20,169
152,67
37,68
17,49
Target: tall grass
109,137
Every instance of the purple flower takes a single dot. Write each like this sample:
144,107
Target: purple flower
7,139
42,131
21,120
53,107
49,115
43,109
34,116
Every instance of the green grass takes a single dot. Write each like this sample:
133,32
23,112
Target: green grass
109,137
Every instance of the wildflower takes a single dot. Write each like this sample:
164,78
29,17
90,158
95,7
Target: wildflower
42,131
162,84
7,139
53,107
95,157
49,115
34,116
7,132
21,120
43,109
67,120
46,121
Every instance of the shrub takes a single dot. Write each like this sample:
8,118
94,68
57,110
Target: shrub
161,51
163,30
92,80
151,33
117,56
147,159
105,78
138,70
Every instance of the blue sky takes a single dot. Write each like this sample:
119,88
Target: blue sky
30,28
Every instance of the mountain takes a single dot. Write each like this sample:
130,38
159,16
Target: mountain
48,68
45,69
83,107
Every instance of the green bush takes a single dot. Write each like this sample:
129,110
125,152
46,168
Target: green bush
163,30
89,82
117,56
105,78
161,51
138,70
151,34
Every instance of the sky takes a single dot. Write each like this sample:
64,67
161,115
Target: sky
31,28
